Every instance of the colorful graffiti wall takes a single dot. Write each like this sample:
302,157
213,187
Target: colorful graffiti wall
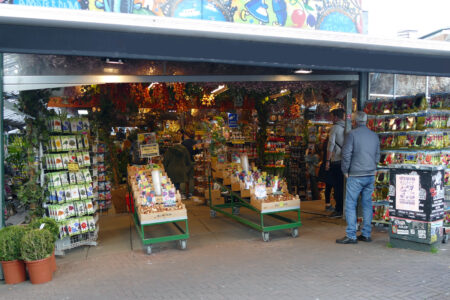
331,15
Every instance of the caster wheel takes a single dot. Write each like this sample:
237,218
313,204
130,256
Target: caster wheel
148,250
294,232
212,213
236,210
183,244
266,236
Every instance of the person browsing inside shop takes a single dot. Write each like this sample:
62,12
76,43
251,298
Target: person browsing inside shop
333,163
360,156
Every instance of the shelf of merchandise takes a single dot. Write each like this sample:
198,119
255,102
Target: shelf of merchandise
104,185
430,129
238,202
87,238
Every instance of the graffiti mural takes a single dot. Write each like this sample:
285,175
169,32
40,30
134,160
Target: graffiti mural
331,15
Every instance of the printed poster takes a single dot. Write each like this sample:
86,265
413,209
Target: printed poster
407,191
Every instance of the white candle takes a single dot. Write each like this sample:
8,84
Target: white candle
156,182
244,162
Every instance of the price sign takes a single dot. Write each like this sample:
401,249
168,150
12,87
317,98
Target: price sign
232,120
407,190
73,167
149,150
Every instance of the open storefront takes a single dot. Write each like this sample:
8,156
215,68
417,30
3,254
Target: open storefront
250,108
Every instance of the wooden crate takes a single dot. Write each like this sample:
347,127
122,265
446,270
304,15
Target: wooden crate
163,216
275,206
235,186
214,194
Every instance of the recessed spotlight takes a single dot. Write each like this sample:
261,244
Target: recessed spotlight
303,71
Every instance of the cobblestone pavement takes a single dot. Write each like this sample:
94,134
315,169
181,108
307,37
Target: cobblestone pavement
227,260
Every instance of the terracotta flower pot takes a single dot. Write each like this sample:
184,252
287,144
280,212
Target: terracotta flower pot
14,271
40,271
53,262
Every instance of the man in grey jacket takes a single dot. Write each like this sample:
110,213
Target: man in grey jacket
334,157
360,155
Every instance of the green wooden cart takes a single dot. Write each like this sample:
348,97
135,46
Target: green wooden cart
237,202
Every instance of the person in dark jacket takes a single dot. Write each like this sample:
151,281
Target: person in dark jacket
324,176
334,157
177,164
360,156
190,143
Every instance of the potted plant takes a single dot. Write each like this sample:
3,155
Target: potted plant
51,226
36,249
10,255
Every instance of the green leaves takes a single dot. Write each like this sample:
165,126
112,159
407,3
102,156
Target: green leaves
10,240
36,244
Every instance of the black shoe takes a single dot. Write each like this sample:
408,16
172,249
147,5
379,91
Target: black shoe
346,240
364,239
335,214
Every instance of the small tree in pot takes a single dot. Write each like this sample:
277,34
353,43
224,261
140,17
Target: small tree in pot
37,248
10,254
51,226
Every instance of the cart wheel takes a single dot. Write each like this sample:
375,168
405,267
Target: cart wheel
212,213
149,249
236,210
183,244
266,236
294,232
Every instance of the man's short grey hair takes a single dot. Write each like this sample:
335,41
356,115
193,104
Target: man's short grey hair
361,117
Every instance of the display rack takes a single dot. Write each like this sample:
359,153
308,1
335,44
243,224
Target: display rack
101,171
413,133
237,201
67,177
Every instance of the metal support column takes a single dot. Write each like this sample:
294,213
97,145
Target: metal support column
2,155
363,91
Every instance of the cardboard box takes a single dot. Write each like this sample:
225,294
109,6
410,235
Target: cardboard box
275,206
226,178
162,216
216,201
245,193
416,231
214,194
235,186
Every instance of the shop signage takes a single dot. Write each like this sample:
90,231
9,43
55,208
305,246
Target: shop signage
149,150
407,192
232,120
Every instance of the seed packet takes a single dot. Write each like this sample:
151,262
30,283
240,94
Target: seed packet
101,148
86,159
72,142
62,230
85,141
80,159
85,124
410,123
84,226
80,207
73,125
91,223
107,185
108,195
82,190
68,193
101,196
399,157
56,124
80,177
89,207
398,106
79,142
369,108
65,159
72,178
411,158
420,103
53,197
87,175
60,193
89,191
79,124
101,186
71,209
58,162
75,226
56,179
100,158
402,141
65,125
101,176
75,194
65,142
58,144
60,213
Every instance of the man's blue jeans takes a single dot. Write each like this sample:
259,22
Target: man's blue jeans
359,185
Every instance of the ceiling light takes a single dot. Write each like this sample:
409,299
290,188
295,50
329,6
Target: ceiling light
303,71
114,61
83,112
219,89
152,85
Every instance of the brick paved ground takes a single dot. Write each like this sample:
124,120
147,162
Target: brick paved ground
226,260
